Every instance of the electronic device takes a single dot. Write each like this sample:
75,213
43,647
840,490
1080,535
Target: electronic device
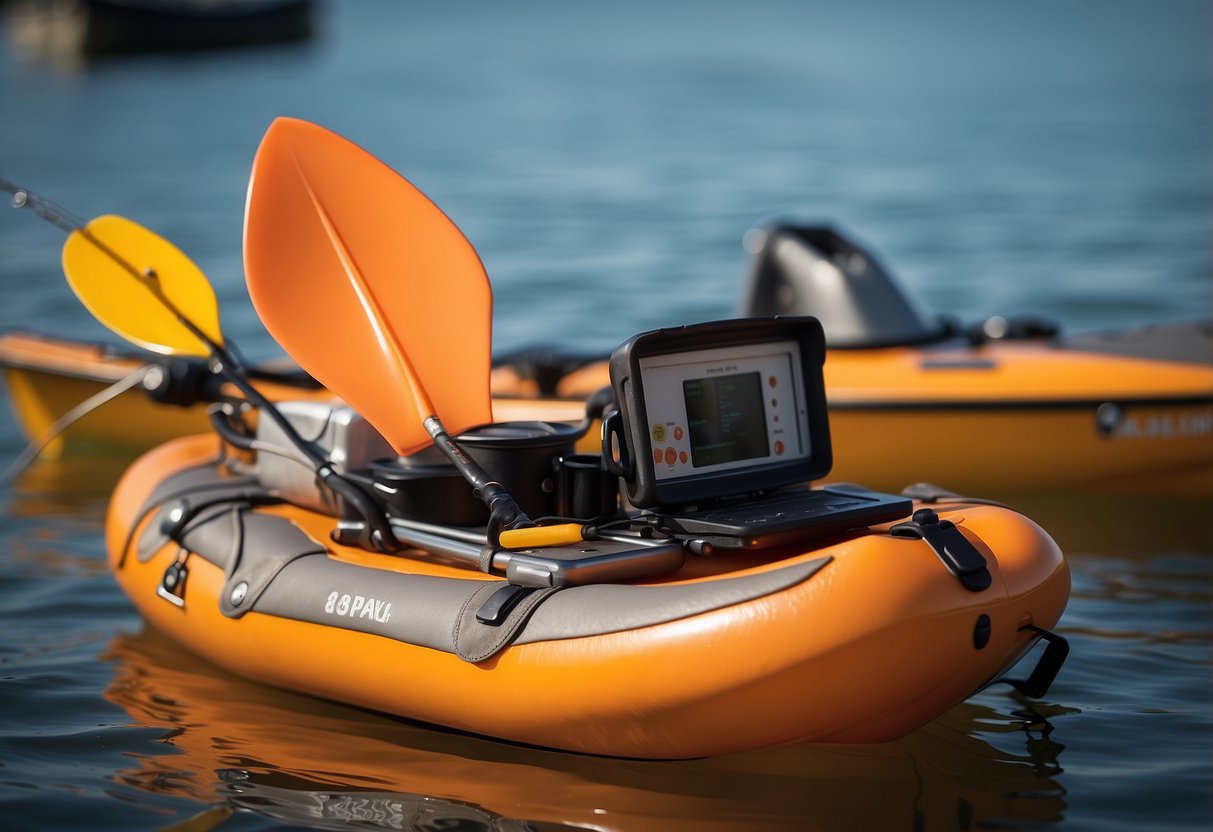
605,560
715,418
610,558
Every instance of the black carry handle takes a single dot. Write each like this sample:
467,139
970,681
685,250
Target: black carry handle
1046,670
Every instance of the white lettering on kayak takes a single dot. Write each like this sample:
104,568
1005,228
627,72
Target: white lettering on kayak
358,606
1165,426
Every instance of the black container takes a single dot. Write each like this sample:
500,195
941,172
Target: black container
584,488
522,456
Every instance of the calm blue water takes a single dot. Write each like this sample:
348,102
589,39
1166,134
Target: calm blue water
1034,157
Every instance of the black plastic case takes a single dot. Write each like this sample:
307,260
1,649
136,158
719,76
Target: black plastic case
627,447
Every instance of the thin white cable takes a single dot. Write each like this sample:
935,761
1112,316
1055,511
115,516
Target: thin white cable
52,432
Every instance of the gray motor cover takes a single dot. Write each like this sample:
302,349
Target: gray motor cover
337,431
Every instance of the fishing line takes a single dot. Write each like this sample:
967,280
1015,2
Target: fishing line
52,432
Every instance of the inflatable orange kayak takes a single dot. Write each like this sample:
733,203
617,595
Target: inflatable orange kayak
711,602
861,636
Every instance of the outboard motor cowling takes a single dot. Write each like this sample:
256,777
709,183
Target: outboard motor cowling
813,270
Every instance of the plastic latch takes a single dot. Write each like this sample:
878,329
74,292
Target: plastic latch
497,608
180,381
959,555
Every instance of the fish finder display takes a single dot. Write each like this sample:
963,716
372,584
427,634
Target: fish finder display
725,418
717,410
725,408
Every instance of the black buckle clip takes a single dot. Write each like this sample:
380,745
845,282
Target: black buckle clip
959,555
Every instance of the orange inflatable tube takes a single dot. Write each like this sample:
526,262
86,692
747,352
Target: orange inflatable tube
861,637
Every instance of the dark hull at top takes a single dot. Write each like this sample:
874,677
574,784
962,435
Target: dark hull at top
1000,406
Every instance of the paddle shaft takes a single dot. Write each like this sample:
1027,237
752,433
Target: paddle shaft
503,510
379,531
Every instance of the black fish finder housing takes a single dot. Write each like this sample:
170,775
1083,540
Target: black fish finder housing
718,410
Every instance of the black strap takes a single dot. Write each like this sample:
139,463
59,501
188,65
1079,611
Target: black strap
959,555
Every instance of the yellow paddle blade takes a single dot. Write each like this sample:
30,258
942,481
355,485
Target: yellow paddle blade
141,286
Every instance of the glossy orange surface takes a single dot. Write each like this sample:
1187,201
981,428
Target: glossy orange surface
46,377
874,646
367,284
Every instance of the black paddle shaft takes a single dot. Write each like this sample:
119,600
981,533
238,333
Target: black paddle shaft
504,512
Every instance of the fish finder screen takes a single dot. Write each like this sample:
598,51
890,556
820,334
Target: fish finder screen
726,421
720,410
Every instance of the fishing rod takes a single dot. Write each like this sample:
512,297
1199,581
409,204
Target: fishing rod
220,359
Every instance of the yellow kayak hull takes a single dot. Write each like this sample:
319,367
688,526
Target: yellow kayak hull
996,419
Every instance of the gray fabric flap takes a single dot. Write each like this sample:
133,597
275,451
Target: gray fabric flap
612,608
202,481
251,548
264,544
474,641
418,609
209,523
184,489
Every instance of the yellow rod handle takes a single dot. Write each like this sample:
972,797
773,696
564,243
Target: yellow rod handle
536,536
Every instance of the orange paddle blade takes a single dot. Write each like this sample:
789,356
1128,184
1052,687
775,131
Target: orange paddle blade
367,284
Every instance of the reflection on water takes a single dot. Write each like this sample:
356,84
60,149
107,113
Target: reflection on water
234,745
75,486
328,809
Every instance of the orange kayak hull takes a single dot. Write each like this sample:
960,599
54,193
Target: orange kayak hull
997,420
1008,417
869,639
